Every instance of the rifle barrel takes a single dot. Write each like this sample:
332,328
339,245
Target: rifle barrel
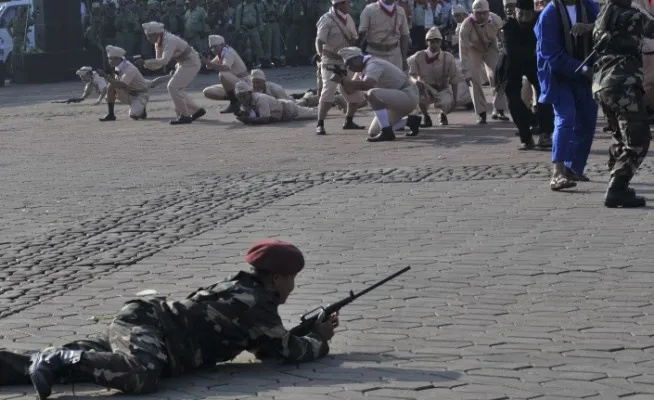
378,284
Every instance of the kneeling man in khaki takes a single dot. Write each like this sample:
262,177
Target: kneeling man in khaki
231,69
129,86
390,92
259,108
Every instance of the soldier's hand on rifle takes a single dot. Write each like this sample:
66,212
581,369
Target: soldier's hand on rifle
326,328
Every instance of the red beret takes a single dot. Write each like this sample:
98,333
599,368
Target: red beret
276,257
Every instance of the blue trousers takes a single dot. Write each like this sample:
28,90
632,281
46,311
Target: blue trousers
575,117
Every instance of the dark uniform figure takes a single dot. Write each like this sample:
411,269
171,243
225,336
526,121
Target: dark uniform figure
519,60
150,339
618,87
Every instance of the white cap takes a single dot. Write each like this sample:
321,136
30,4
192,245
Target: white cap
480,5
257,74
153,27
433,33
84,70
458,9
242,87
117,52
350,52
216,40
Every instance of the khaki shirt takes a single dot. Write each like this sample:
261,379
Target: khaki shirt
170,47
230,58
382,29
440,73
267,106
130,75
277,91
335,35
387,75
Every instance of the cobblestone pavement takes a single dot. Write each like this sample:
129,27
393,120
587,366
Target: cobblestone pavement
515,292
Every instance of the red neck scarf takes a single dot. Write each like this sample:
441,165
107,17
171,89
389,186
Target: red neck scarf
385,10
431,59
340,17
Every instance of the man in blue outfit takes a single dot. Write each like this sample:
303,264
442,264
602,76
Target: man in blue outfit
564,35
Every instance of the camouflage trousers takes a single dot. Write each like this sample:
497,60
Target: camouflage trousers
626,105
130,357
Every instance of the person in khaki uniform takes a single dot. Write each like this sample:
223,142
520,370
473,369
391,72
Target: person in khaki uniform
231,68
336,30
259,108
390,92
478,46
437,76
261,85
385,28
170,47
128,87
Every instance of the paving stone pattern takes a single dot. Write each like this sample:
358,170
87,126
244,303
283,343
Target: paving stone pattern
515,292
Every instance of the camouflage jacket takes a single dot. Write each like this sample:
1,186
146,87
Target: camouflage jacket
618,36
216,324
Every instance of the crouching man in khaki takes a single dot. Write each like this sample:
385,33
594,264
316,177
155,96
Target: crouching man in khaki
437,78
390,92
231,68
259,108
129,86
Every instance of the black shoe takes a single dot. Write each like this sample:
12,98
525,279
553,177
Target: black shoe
619,194
386,135
320,130
199,114
444,120
108,117
499,116
47,366
413,123
426,122
352,126
182,120
230,109
482,119
530,145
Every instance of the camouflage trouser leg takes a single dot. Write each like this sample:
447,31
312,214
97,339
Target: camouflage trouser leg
626,104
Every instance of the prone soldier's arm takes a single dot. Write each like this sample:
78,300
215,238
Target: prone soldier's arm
270,337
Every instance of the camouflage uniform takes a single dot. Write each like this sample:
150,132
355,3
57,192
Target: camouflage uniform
18,27
247,22
618,82
196,29
172,19
155,338
272,35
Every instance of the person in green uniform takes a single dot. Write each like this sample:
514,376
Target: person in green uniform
153,13
195,26
17,30
299,19
272,36
247,23
172,19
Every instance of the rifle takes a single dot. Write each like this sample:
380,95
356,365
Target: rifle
320,314
593,53
73,100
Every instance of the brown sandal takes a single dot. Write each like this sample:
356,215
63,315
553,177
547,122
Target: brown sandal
561,182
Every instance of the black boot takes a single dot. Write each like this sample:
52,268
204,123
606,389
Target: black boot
14,368
386,135
413,122
182,120
528,144
351,125
110,114
426,122
233,103
320,128
499,116
619,194
482,118
48,366
444,120
199,114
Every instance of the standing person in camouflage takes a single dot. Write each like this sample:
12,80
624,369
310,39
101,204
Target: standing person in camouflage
155,338
17,29
195,26
618,88
172,19
272,35
247,22
298,34
125,26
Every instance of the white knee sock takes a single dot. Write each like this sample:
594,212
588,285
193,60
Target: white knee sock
382,117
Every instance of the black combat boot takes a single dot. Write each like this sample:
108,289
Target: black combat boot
182,120
482,118
444,121
619,194
351,125
233,103
426,121
110,114
386,135
14,368
413,122
199,114
48,366
499,116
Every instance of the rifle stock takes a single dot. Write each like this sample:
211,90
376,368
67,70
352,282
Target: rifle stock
308,320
